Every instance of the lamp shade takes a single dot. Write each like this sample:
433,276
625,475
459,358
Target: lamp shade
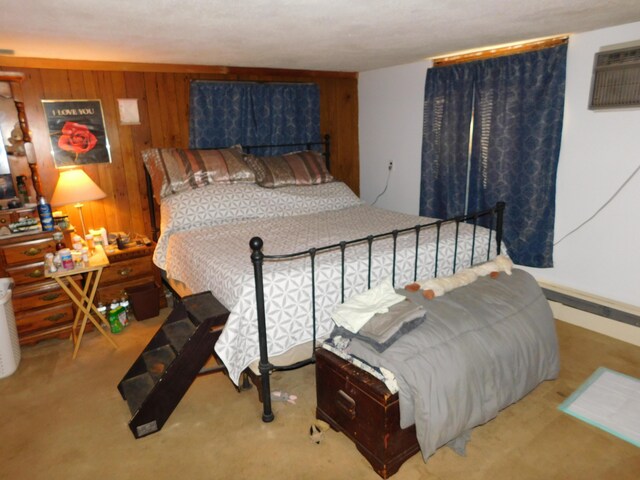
75,186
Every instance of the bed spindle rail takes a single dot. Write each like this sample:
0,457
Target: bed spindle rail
258,258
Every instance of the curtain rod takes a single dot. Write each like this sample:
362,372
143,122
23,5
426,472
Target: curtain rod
499,51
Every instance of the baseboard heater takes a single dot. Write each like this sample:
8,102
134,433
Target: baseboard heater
592,305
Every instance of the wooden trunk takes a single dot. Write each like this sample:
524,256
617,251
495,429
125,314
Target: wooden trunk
359,405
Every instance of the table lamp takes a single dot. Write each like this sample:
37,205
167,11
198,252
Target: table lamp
75,186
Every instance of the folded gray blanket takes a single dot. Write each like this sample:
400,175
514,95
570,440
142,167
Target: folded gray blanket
385,328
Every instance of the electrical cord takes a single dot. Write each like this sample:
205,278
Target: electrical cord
386,185
620,188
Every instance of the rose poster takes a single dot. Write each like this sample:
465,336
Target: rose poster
76,131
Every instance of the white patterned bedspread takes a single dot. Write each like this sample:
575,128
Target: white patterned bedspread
217,259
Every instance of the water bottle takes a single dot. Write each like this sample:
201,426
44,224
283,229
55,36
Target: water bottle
124,303
102,309
44,211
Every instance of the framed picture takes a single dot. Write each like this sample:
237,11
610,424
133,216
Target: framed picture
77,132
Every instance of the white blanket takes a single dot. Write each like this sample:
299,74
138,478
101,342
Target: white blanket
218,259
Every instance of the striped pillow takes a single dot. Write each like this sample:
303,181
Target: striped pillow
175,170
297,168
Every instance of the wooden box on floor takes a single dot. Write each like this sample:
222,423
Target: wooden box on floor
359,405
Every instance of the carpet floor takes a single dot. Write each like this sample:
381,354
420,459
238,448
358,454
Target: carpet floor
64,419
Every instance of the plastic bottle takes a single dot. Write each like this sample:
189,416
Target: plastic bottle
44,211
124,303
120,312
114,317
88,238
102,309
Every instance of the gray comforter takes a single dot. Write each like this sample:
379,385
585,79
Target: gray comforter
481,348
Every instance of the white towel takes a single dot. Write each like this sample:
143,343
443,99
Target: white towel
359,309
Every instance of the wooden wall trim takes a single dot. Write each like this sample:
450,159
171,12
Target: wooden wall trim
50,63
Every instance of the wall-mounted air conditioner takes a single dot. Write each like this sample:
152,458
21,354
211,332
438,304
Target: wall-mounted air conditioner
616,79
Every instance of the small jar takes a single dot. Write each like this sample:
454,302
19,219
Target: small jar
88,238
85,255
66,259
76,255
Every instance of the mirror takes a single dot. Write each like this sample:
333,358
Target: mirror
14,168
8,117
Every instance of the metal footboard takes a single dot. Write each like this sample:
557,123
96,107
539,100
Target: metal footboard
491,218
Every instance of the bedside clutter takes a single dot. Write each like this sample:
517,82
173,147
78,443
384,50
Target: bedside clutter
41,308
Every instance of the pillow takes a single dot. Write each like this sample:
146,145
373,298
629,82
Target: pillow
175,170
219,204
297,168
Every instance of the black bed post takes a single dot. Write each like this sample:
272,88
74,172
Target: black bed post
263,366
152,207
327,150
499,224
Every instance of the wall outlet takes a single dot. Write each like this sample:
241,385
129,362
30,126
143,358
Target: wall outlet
390,165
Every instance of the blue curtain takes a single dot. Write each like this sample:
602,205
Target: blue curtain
517,111
228,113
445,146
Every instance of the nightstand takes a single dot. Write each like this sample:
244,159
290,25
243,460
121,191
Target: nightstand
128,268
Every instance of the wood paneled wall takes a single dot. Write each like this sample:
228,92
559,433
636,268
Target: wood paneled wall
163,99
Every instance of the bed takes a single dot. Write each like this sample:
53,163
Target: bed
322,244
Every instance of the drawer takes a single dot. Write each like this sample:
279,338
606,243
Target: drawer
27,297
107,293
359,415
24,274
5,218
44,318
123,271
29,251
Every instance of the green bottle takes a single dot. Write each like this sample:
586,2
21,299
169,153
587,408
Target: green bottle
114,317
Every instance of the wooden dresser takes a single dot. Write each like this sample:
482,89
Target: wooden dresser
42,309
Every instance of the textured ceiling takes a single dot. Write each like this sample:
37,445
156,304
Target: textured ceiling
340,35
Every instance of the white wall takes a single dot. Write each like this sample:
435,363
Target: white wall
391,111
599,151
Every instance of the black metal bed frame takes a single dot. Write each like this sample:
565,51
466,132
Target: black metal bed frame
493,218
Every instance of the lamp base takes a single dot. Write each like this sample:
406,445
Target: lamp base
79,207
